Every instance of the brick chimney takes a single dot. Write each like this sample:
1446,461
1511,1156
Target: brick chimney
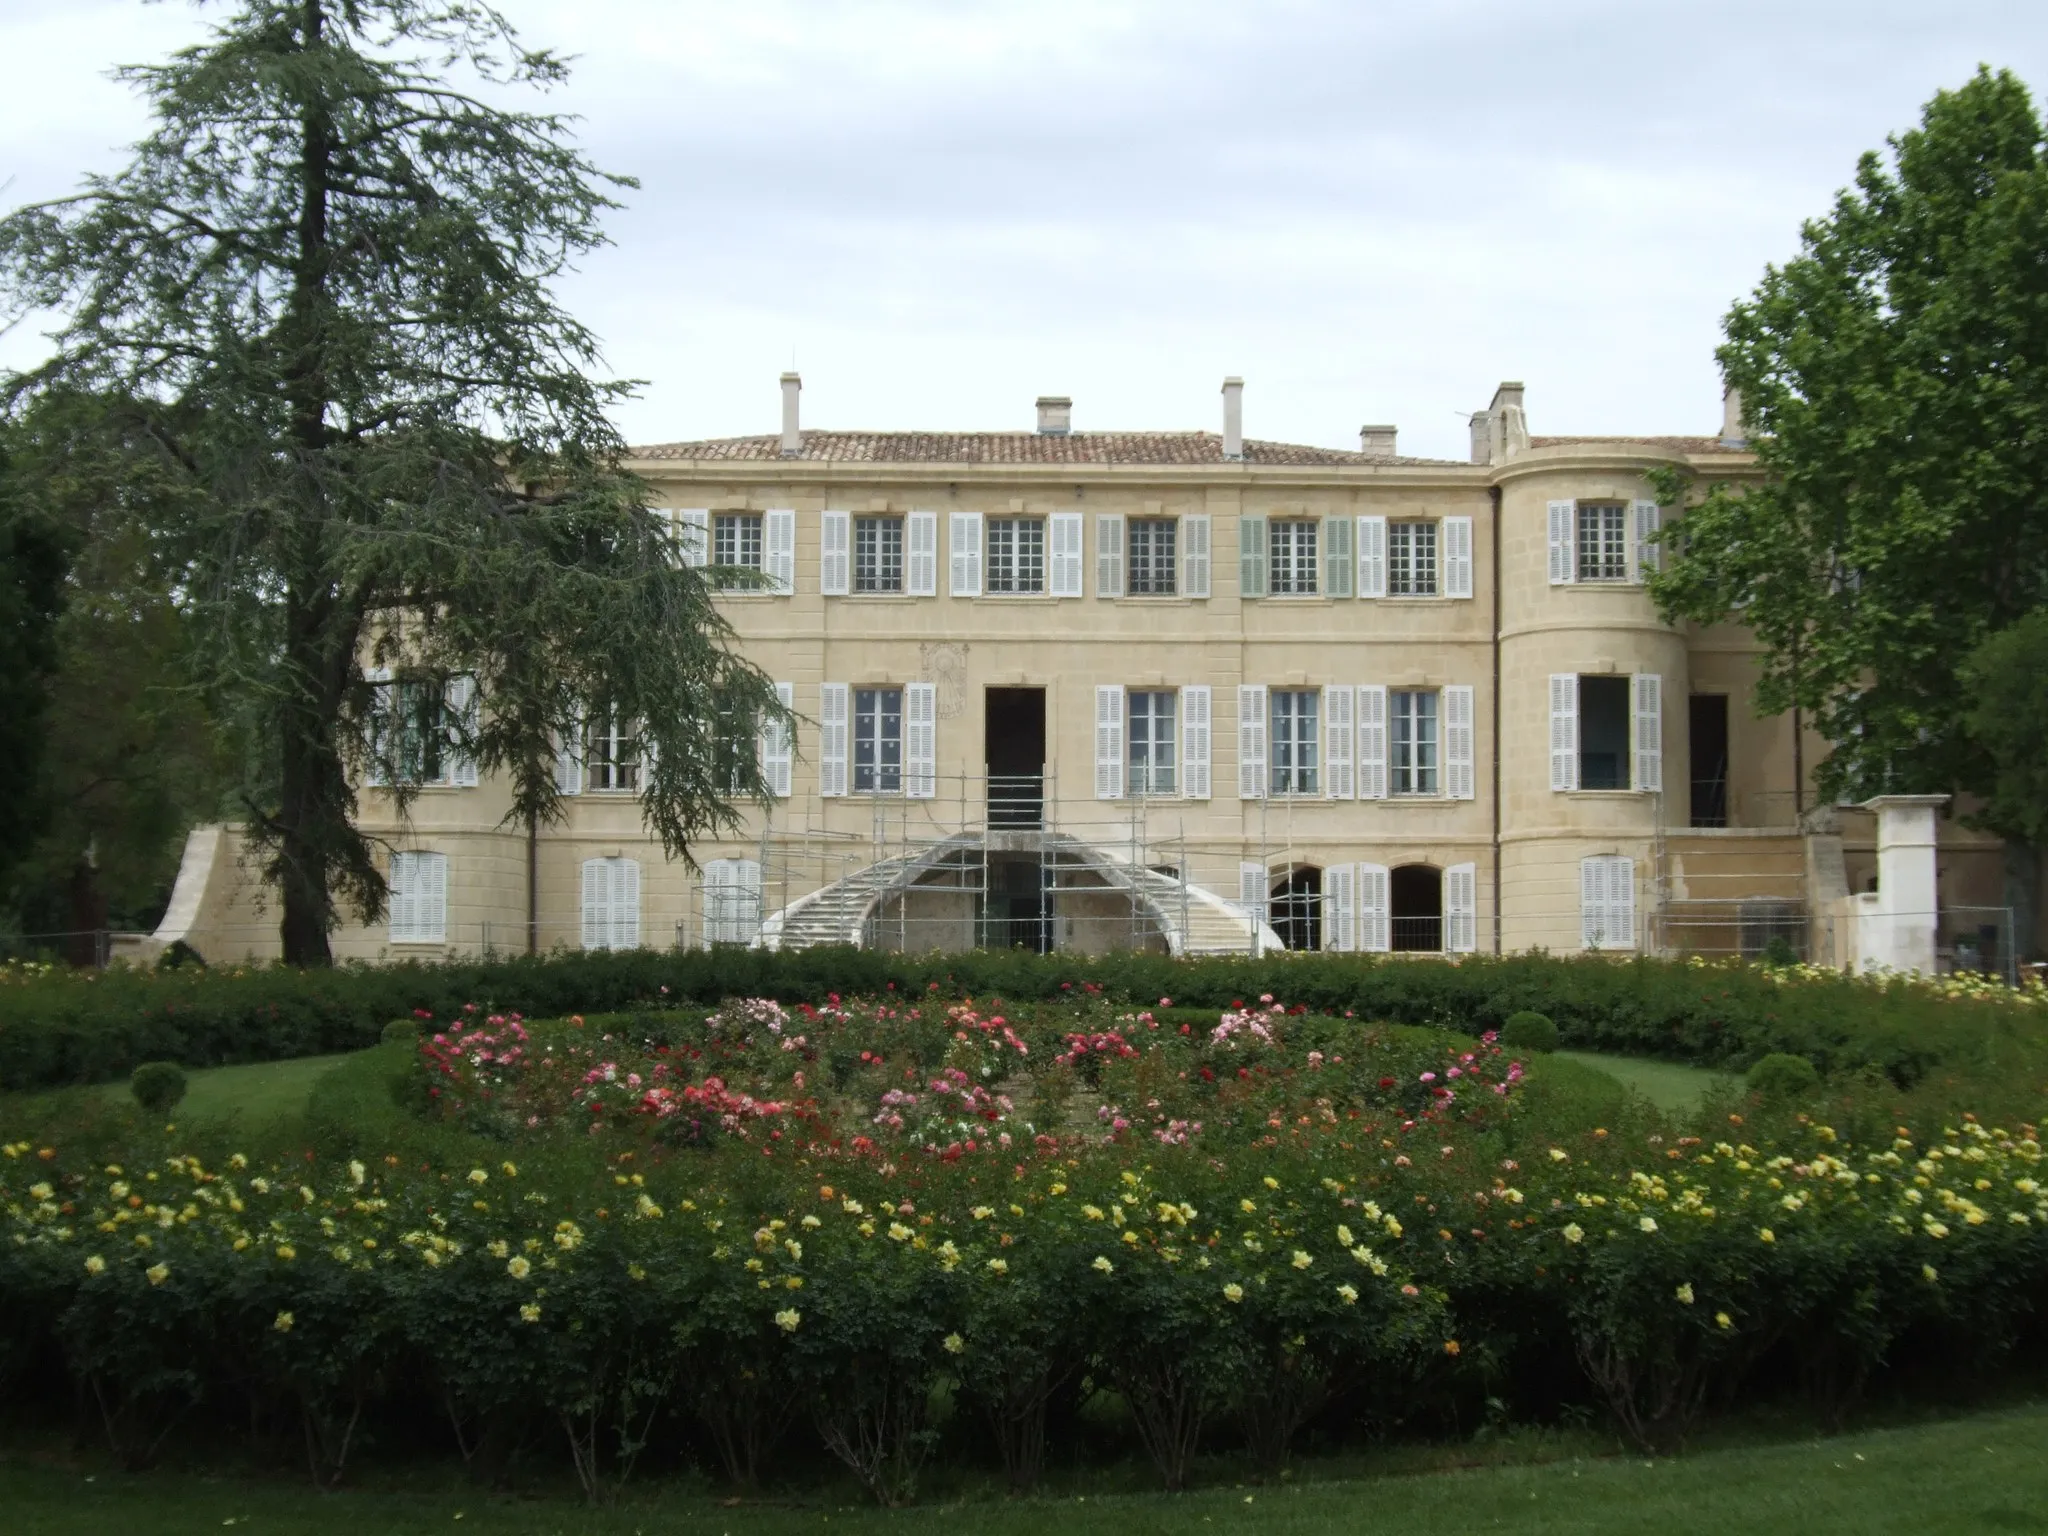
1233,418
1055,415
792,434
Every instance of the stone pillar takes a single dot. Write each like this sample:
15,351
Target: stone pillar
1896,931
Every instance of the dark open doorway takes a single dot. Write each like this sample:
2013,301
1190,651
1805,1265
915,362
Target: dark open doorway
1018,912
1709,723
1014,749
1296,910
1416,893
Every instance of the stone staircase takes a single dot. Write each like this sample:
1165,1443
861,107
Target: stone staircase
837,913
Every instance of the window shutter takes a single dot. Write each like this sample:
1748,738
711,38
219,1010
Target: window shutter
1562,521
1109,556
920,740
1461,908
778,554
1607,902
1374,914
1372,557
1649,712
459,700
1621,902
1109,742
1251,557
1340,741
1457,535
625,903
1338,567
921,563
1564,730
749,882
400,900
833,711
596,904
1649,554
1251,742
1194,555
1340,907
693,530
963,535
1194,741
1372,743
774,745
1459,774
1065,538
1251,889
569,760
835,554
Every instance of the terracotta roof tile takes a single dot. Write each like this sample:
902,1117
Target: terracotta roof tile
1009,448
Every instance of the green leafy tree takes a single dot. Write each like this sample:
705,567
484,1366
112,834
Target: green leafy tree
2007,682
1894,380
34,555
324,286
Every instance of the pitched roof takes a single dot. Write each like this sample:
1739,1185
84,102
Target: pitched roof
1010,448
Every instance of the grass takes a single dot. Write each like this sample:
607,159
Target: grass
1669,1085
261,1093
1984,1472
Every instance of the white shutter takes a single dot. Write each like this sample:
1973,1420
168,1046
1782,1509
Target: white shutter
597,891
1252,890
1607,902
1461,908
1649,716
1194,741
459,699
921,562
1564,730
693,531
1372,743
1340,907
1372,557
1340,742
1109,742
1459,774
625,903
963,545
1374,913
1194,555
1649,556
773,743
1337,562
401,901
920,740
717,881
1251,557
1109,556
1457,535
833,713
1251,742
569,760
749,882
779,549
1563,517
1065,537
835,554
1621,902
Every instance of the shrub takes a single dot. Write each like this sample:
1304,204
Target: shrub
1529,1031
401,1032
1781,1075
158,1085
1778,951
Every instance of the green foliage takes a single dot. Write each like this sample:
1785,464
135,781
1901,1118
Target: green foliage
1894,377
1783,1076
35,554
318,303
1778,951
1529,1030
2008,720
158,1085
400,1032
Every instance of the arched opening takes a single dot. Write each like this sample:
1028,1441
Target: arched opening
1416,897
1296,908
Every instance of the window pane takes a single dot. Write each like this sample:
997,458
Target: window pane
1016,554
1411,559
736,540
1152,551
878,740
878,554
1150,737
1293,749
1414,744
1603,541
1292,546
1604,739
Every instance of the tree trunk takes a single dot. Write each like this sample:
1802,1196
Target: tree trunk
2022,894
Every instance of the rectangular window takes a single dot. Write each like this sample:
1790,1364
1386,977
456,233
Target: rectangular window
1294,741
1604,732
878,554
1292,562
736,540
1152,738
612,754
1603,541
1016,554
1709,738
419,898
1415,739
1153,556
877,741
1411,560
422,733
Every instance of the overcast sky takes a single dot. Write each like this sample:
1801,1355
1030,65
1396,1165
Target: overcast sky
941,209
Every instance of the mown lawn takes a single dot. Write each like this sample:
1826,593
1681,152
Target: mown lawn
263,1092
1981,1473
1671,1086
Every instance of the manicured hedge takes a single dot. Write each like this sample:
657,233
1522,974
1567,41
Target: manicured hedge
93,1027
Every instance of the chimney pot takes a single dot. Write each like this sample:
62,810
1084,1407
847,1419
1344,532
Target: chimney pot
1055,415
1377,441
792,433
1233,418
